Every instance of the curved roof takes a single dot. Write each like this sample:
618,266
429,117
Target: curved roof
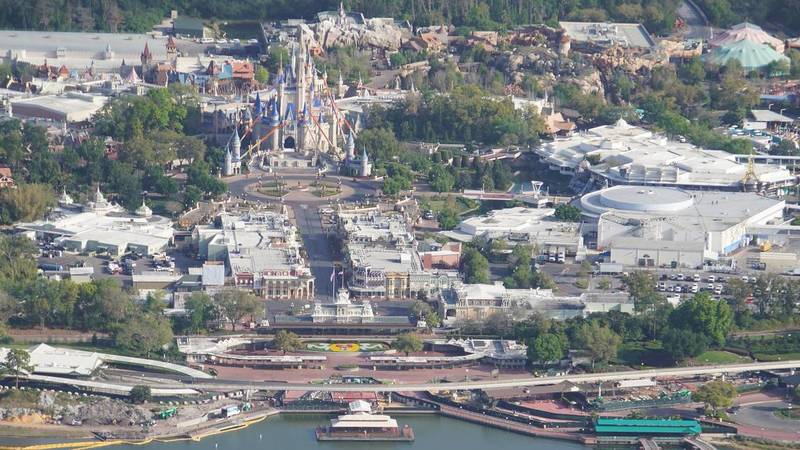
750,54
746,32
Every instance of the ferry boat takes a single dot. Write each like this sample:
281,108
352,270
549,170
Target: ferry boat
360,424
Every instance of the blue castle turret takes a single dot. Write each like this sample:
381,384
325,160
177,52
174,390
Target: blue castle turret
258,108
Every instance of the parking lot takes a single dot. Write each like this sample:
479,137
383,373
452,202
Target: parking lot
55,260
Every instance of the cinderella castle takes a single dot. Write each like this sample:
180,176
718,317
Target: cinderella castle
295,120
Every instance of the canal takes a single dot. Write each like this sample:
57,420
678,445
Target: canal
433,432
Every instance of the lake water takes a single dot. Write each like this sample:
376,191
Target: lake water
432,432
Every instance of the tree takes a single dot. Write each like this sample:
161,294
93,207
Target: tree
26,203
408,343
567,213
682,344
140,394
601,342
475,267
716,394
286,341
17,260
546,348
144,334
440,179
692,71
262,75
201,311
604,284
236,304
17,362
705,315
448,219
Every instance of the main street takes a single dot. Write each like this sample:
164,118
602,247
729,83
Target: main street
304,205
226,385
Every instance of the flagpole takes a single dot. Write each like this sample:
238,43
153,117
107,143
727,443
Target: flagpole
333,277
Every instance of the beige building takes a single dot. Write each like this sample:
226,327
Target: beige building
480,301
261,252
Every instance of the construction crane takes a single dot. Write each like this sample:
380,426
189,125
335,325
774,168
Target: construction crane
260,140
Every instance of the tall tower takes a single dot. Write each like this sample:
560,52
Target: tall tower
333,134
300,102
227,166
366,166
274,121
320,132
282,93
350,147
146,58
302,130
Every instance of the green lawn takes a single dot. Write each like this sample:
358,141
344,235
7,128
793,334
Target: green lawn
719,357
778,357
442,202
643,355
241,29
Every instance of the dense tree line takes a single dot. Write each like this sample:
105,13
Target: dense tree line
149,133
141,15
28,300
781,14
466,114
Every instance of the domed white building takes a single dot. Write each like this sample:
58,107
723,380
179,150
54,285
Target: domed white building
662,226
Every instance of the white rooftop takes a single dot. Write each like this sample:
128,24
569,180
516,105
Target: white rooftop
71,107
699,210
633,155
603,33
536,224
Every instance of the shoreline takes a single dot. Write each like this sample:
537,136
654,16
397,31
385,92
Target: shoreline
217,429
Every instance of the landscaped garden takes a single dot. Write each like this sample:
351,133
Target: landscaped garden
346,347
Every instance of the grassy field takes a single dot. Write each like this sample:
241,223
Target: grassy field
241,29
272,189
644,355
326,190
442,202
719,357
780,357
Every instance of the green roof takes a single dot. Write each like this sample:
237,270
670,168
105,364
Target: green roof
647,426
751,55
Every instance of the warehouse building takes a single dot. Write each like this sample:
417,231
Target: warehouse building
522,225
624,154
662,226
101,226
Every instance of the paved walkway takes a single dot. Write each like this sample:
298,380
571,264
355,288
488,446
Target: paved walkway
223,384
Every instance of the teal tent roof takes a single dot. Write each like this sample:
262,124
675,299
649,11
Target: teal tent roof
750,54
647,426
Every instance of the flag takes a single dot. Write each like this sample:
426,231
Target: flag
333,274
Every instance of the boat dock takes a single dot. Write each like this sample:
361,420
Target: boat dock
405,434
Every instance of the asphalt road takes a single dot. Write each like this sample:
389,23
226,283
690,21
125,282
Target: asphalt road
504,383
762,415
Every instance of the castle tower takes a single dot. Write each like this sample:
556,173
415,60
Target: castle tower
322,139
333,133
236,145
350,147
258,108
300,101
302,130
146,58
274,121
227,166
281,93
172,50
366,166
